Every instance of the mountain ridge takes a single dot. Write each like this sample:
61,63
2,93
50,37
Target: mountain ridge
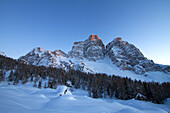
122,54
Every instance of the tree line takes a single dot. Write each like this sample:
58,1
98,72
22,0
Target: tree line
98,85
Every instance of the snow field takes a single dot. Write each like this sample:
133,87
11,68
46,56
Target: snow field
28,99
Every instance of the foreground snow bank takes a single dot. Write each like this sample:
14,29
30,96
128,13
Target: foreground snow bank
28,99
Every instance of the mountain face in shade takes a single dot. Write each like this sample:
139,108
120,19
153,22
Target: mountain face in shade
77,50
84,54
128,57
91,49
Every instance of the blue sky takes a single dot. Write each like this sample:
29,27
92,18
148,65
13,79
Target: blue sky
57,24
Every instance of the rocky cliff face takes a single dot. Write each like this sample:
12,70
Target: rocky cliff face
77,50
91,49
128,57
94,48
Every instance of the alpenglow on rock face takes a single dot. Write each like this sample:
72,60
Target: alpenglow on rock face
91,49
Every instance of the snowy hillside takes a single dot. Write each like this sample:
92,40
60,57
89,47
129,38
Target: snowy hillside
106,66
28,99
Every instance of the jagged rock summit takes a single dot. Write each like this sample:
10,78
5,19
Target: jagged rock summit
128,57
120,53
91,49
94,37
38,56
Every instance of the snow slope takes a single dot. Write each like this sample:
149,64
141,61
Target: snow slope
106,66
28,99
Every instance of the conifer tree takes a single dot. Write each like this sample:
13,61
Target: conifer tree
39,84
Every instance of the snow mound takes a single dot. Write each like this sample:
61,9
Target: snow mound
60,91
63,90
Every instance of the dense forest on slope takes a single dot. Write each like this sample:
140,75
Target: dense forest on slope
98,85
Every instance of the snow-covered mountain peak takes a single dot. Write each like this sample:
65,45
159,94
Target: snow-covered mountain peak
42,52
118,39
128,57
38,49
39,56
77,50
94,48
90,49
94,39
